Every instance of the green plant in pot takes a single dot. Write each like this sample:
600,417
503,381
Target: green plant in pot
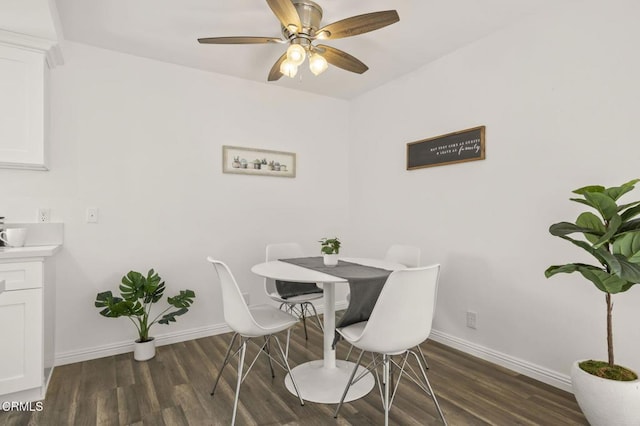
139,293
606,392
330,248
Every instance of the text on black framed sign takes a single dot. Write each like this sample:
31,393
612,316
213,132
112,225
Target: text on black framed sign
456,147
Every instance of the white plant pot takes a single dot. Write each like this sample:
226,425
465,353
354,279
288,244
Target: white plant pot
606,402
330,259
145,350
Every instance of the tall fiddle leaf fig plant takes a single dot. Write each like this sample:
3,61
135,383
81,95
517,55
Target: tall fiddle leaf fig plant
139,293
612,236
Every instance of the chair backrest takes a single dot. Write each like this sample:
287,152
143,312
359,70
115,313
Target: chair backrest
236,311
409,256
403,315
280,251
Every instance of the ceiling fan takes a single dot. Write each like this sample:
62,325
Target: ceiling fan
300,26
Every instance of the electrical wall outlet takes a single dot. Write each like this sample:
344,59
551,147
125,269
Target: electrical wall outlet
472,319
92,215
246,298
44,215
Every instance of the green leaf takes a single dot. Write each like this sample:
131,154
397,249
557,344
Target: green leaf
618,191
603,203
581,201
631,212
171,316
628,246
565,228
590,188
103,299
630,226
612,228
182,300
588,220
132,287
603,256
628,270
604,281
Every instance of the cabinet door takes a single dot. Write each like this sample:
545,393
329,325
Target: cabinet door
23,114
21,365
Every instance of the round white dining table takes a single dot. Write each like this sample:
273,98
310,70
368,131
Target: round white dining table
324,380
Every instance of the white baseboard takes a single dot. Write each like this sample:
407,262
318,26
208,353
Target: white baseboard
127,346
534,371
553,378
162,339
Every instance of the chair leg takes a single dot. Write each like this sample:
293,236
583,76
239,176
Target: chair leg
385,379
433,395
286,353
424,359
286,363
225,362
243,351
304,320
268,351
346,389
346,358
315,313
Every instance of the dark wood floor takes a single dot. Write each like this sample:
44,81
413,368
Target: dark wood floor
173,389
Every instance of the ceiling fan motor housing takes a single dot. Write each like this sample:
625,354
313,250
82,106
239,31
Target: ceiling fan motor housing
310,16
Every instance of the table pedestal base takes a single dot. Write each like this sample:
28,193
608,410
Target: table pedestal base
326,385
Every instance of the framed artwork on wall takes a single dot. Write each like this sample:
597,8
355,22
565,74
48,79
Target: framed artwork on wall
456,147
254,161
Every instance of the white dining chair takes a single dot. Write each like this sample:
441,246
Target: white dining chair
300,304
408,256
401,319
249,322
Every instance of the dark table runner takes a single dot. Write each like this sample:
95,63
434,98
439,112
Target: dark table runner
365,284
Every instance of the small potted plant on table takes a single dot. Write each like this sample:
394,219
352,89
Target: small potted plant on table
330,247
608,394
139,293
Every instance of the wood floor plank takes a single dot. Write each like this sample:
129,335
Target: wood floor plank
128,407
107,408
174,389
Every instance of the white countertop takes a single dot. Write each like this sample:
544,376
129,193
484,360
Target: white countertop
30,251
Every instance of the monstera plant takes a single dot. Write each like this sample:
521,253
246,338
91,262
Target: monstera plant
611,234
139,293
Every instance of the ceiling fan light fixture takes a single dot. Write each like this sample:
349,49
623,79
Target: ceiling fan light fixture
296,54
317,64
288,68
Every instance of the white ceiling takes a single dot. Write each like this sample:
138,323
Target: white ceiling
167,30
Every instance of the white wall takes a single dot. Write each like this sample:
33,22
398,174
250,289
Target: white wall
141,140
559,98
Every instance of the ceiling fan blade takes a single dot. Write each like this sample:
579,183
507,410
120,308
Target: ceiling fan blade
340,59
238,40
286,13
358,25
275,73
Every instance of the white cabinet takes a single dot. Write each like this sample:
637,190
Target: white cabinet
27,298
23,108
22,343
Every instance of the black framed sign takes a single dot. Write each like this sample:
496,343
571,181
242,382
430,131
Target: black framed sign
456,147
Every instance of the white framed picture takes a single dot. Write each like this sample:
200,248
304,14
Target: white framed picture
253,161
